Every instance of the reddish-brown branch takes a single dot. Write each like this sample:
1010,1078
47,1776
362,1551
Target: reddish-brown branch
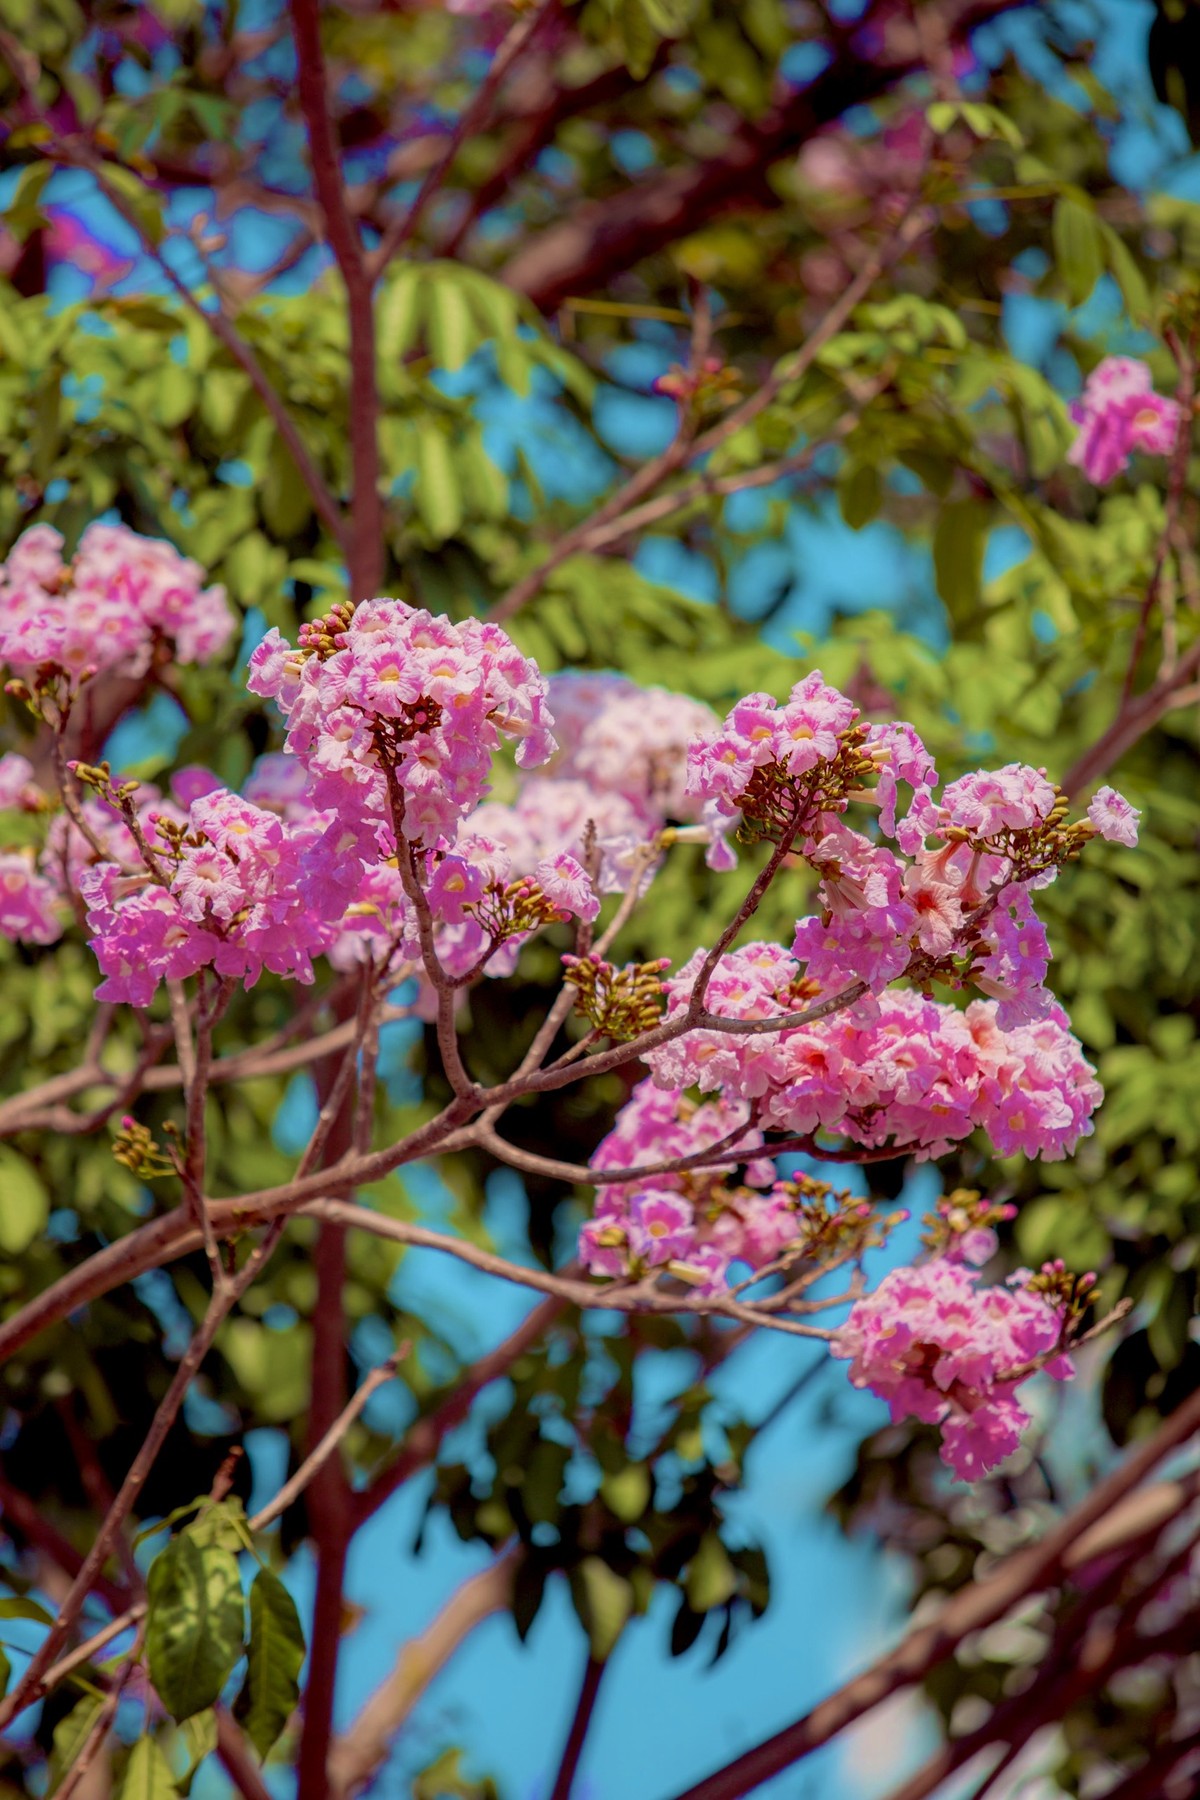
537,129
971,1610
237,1758
585,1706
18,1511
366,548
329,1499
604,238
361,1750
31,1683
424,1439
1140,715
518,38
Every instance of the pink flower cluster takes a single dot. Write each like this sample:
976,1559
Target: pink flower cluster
38,885
28,902
902,1070
108,608
804,731
939,1347
225,890
1118,414
954,896
388,696
619,770
697,1219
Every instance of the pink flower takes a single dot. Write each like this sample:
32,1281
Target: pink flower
899,1069
660,1227
937,904
18,788
108,608
937,1347
1114,817
28,903
565,882
1120,413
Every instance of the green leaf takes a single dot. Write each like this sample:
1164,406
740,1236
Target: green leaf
1126,274
959,541
276,1654
485,486
70,1735
286,502
627,1493
495,307
438,495
199,1736
941,115
453,337
174,394
134,198
1078,247
603,1600
860,494
24,1207
22,214
221,1523
147,1774
26,1609
5,1672
196,1624
711,1577
398,321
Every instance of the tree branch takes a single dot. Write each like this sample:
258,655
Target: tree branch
564,1781
30,1686
518,37
975,1607
366,546
604,238
362,1750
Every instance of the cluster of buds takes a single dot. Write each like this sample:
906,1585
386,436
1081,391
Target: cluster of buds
319,637
618,1003
49,694
1072,1294
775,802
172,839
514,908
98,777
139,1151
835,1224
963,1224
709,387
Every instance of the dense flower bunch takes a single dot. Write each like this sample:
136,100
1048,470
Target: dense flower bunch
222,888
939,1347
698,1222
395,715
907,1071
109,607
618,778
1118,414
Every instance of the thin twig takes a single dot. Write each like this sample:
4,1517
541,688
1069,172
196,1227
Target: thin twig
295,1486
30,1685
511,46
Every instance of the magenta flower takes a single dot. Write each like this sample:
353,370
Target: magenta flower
1114,817
939,1348
565,882
660,1227
1120,413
